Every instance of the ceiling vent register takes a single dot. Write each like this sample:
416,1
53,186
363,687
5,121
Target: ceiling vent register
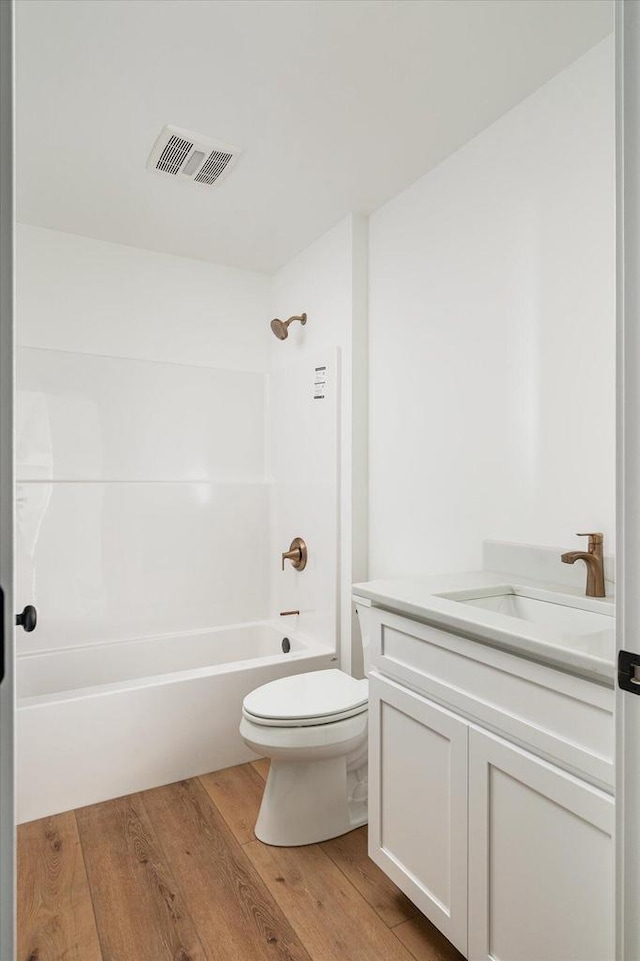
191,158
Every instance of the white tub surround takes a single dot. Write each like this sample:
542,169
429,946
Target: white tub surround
104,720
166,457
329,281
86,417
569,644
303,461
141,509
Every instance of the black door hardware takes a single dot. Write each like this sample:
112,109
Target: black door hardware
28,619
628,678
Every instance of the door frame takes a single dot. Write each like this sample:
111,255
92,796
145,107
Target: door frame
628,471
7,685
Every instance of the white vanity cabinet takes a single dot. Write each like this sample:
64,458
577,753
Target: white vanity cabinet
418,803
540,859
489,802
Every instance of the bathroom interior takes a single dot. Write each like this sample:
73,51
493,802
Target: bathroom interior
315,387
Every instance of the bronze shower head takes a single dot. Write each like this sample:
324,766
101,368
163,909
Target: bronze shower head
281,327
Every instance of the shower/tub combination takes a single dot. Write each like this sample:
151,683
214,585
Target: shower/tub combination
145,647
106,720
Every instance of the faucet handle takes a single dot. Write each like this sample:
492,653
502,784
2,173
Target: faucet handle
595,539
297,554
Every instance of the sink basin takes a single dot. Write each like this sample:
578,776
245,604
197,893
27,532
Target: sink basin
567,614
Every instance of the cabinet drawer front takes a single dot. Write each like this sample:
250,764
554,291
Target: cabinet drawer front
541,859
417,803
565,718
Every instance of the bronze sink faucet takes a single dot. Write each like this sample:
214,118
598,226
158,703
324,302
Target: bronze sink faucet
594,560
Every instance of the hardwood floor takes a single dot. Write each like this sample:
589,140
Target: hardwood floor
176,874
54,903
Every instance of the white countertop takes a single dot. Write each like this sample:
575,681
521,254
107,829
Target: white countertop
590,655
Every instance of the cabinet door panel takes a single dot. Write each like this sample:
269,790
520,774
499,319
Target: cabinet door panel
540,859
418,816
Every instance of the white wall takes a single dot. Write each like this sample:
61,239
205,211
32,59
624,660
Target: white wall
492,337
328,281
94,297
143,497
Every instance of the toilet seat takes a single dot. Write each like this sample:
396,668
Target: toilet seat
306,700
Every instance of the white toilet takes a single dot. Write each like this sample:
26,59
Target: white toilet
313,727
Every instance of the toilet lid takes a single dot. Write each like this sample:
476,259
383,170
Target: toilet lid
325,695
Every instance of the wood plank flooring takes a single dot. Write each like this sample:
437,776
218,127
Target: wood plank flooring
176,874
54,902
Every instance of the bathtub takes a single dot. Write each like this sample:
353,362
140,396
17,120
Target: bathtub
104,720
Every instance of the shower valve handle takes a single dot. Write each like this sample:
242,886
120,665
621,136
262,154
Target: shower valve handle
297,554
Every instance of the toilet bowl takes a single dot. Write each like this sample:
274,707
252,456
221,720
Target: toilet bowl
313,727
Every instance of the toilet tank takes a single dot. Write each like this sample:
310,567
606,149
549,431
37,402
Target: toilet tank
363,610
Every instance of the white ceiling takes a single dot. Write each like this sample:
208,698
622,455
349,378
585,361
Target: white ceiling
338,106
